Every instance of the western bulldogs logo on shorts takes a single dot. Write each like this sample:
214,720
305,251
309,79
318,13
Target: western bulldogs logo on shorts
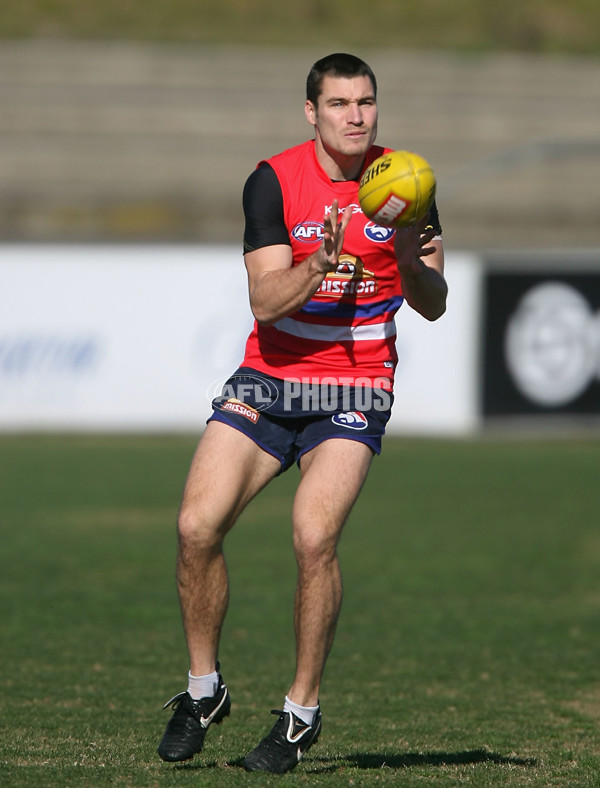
353,419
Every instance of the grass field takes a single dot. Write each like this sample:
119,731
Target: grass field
467,652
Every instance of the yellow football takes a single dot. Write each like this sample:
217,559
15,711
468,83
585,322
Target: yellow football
397,189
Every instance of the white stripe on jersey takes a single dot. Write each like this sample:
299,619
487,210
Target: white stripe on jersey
326,333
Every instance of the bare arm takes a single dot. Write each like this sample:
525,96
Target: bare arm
276,288
423,283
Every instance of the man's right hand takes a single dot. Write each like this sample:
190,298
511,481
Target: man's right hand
333,236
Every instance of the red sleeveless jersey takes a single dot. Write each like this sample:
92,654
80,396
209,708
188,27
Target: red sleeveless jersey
346,332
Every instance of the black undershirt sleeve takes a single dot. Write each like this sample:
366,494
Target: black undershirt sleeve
434,219
263,209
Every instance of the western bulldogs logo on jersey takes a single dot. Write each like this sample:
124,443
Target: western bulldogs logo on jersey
353,419
378,233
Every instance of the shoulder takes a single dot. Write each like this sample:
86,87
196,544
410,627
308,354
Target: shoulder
269,171
263,210
294,161
263,177
301,151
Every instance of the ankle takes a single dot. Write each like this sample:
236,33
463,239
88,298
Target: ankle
203,686
306,713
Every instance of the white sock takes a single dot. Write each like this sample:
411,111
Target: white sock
305,713
203,686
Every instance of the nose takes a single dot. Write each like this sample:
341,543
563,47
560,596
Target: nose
355,115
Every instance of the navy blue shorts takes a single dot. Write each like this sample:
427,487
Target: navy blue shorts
287,418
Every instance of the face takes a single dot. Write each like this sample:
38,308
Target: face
345,118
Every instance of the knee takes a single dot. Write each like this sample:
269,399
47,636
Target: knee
313,549
197,530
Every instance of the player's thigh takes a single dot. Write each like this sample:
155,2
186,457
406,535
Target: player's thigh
228,469
332,476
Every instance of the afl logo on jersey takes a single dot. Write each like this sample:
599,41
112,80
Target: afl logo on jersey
308,232
377,233
353,419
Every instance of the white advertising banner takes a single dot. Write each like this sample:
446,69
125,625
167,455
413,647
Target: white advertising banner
140,337
437,378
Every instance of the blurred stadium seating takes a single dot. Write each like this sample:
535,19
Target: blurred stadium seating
147,142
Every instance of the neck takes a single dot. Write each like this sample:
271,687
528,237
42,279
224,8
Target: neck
337,166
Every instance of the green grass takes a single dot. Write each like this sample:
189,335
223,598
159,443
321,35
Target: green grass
467,651
532,26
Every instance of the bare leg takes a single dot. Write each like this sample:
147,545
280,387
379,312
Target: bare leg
332,476
227,471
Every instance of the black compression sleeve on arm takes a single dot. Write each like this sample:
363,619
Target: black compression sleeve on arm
434,219
263,210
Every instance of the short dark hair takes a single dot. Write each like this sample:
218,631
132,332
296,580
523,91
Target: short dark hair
337,65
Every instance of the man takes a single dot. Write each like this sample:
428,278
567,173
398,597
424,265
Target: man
315,387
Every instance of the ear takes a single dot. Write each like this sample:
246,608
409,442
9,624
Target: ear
311,112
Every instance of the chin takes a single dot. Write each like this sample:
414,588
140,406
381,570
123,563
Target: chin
356,149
